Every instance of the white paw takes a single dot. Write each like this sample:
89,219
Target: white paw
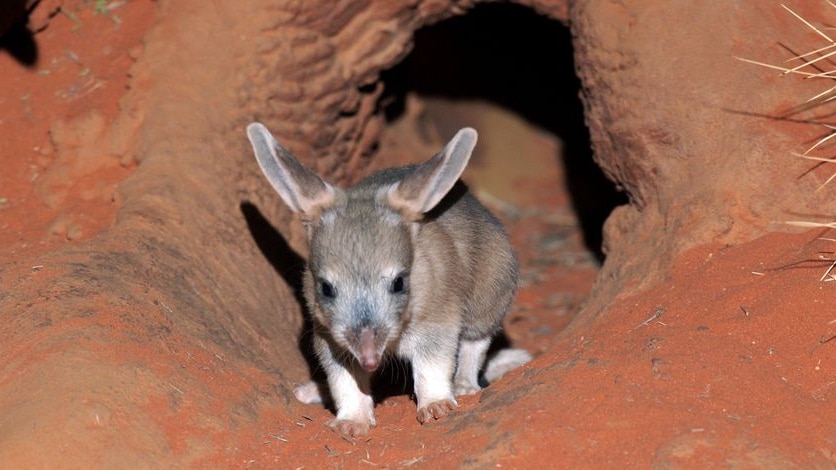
466,389
436,410
308,393
505,361
349,428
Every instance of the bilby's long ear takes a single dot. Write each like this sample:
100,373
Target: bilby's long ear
299,187
429,182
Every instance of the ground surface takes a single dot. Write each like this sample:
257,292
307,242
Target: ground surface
728,362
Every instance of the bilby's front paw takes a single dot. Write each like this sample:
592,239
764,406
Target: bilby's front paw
436,410
350,429
466,389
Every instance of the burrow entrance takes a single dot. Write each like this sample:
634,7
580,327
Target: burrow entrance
509,72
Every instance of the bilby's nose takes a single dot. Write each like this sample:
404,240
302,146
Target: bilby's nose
369,359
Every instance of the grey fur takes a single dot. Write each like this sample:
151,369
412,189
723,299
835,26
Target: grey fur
408,263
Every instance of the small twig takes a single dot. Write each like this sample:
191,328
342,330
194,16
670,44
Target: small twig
278,437
73,57
331,452
743,309
808,224
410,462
808,24
826,339
76,22
658,313
827,273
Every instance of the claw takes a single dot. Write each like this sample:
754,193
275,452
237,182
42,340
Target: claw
436,410
348,429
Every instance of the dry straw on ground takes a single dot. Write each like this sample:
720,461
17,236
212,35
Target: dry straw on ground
817,63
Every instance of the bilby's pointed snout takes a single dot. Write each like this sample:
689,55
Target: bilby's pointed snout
369,357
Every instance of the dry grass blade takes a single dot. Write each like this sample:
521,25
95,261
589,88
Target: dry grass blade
808,23
777,67
808,224
824,96
827,276
817,60
826,182
810,62
817,51
817,63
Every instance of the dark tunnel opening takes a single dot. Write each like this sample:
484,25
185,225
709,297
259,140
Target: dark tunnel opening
512,57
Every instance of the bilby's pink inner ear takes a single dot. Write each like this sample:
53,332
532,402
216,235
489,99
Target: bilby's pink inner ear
298,186
422,189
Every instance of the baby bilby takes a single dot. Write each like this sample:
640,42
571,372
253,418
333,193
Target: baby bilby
407,263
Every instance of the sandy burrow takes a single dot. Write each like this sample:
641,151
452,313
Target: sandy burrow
174,328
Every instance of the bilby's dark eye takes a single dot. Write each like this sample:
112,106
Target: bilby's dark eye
398,285
327,289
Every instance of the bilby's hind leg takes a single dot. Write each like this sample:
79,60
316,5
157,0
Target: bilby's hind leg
503,362
470,360
308,393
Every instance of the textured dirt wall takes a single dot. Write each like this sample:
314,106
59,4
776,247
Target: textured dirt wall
186,287
699,140
171,338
